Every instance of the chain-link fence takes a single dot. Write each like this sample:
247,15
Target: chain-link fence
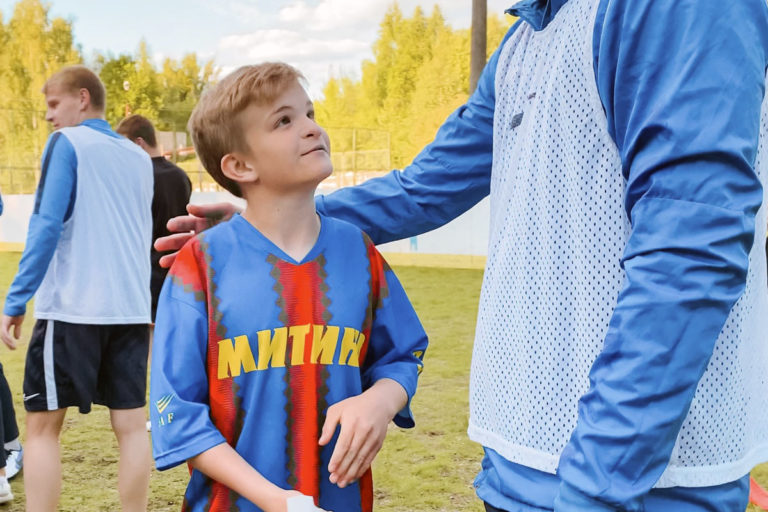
357,155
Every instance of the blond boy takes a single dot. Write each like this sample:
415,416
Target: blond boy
279,325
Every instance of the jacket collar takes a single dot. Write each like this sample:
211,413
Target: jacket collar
537,13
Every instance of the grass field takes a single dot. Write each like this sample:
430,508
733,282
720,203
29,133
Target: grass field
427,469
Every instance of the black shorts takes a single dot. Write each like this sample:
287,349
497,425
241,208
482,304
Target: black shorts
76,364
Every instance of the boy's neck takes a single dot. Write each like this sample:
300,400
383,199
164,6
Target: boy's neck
288,221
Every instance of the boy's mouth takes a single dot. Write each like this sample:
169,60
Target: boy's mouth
319,147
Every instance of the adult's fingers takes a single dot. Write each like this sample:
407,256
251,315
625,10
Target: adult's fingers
185,223
172,242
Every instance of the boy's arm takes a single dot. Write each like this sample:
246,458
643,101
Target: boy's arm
393,362
364,418
179,393
54,201
223,464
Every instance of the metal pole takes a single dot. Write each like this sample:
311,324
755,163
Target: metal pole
479,35
354,156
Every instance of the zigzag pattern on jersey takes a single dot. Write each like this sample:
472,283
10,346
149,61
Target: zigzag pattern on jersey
226,412
302,300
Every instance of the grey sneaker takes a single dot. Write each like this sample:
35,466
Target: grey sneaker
14,459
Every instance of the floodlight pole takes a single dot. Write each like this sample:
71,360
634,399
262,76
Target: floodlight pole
479,35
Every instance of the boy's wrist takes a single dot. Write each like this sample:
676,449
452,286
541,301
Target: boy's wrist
390,394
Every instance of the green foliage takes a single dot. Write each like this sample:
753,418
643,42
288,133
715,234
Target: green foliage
418,76
34,46
166,96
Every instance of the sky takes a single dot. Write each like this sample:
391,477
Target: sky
323,38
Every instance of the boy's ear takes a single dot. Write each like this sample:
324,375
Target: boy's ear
237,168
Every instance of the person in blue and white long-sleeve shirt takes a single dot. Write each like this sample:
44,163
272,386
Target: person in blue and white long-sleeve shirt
86,261
622,333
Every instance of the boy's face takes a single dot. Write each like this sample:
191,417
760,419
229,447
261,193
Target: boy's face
64,107
288,150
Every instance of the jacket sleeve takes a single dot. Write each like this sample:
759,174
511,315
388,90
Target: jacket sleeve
447,178
682,83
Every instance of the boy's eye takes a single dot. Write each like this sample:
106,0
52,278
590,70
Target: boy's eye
311,114
283,121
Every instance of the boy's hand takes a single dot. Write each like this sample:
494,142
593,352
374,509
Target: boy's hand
363,419
6,324
184,227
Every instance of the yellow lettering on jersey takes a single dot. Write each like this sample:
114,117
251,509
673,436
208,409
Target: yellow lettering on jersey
419,354
233,357
324,340
272,348
350,347
299,335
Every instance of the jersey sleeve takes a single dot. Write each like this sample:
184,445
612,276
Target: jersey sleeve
54,202
179,404
682,84
397,340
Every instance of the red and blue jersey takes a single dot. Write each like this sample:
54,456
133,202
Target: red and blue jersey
252,347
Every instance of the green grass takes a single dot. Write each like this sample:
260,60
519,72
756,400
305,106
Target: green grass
428,468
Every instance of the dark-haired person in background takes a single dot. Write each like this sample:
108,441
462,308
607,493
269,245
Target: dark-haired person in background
172,191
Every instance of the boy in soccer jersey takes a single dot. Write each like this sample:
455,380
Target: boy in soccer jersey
280,325
88,268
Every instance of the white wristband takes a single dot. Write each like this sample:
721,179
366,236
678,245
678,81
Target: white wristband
301,504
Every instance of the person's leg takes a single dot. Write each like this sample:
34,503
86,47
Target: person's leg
123,388
10,430
135,464
42,459
10,454
60,372
6,415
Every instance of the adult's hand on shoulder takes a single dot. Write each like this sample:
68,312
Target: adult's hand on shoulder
184,227
7,324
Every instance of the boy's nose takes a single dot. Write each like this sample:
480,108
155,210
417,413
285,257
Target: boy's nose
313,129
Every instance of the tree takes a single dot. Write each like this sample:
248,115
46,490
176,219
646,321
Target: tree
33,48
417,77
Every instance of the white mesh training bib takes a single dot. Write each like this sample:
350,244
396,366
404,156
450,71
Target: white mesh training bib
558,232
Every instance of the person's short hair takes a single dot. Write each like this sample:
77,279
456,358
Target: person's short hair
215,124
74,78
135,126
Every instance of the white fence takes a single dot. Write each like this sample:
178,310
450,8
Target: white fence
461,243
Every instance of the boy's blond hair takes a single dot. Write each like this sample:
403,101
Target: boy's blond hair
74,78
215,123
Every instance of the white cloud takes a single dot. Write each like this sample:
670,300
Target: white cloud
280,44
334,14
317,57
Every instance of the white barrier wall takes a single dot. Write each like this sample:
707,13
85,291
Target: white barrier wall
465,239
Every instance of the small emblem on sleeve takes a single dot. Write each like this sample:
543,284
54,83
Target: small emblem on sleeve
163,403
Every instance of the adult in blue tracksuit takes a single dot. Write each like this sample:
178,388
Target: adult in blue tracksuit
619,361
